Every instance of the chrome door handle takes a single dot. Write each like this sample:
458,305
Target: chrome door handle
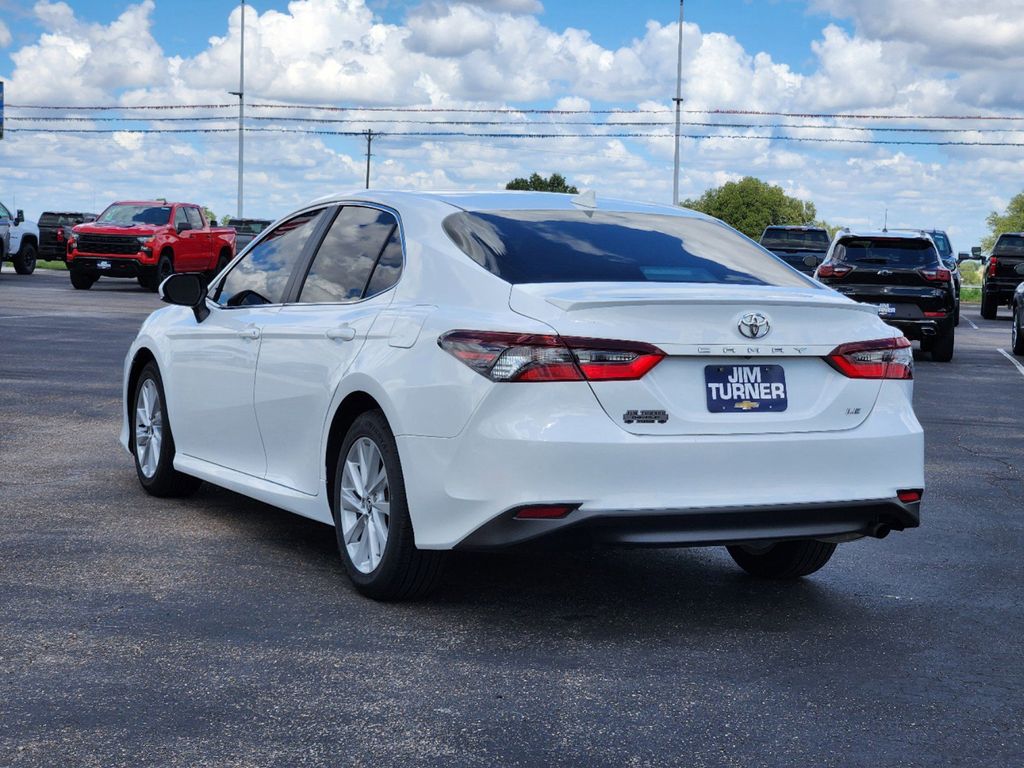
344,333
250,333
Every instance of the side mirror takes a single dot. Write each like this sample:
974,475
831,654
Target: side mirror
962,257
976,252
182,226
186,289
19,217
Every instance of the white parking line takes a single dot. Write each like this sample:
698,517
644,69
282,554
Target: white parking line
1013,360
971,322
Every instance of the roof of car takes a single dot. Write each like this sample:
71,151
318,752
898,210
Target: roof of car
892,234
507,200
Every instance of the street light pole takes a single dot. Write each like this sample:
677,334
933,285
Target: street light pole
240,93
679,103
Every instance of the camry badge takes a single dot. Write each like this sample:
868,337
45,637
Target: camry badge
754,325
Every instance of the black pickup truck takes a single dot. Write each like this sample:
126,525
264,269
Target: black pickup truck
54,231
1002,272
801,247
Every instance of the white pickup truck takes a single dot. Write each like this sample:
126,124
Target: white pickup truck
19,241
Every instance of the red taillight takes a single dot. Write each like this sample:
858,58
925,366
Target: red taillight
60,235
934,314
993,262
834,270
880,359
528,357
909,495
936,275
544,511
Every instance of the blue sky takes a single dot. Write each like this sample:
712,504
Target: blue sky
863,56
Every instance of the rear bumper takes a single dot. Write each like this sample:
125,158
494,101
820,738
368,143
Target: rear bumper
697,527
547,444
1002,288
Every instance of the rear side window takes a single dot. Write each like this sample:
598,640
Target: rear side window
194,217
348,259
885,252
778,238
942,243
1009,245
599,246
262,275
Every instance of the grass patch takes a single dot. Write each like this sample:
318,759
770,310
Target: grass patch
51,265
970,294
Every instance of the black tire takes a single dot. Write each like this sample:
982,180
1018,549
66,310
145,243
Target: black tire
1017,331
82,281
165,480
942,347
403,572
784,560
164,268
25,259
956,314
222,262
989,305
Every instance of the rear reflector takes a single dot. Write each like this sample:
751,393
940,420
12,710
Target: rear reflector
508,357
909,495
880,359
545,511
934,314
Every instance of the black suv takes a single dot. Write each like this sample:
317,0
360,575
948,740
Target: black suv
1002,273
903,274
802,248
54,230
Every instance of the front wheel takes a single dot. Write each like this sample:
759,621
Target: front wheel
784,560
164,269
371,517
1017,331
25,260
152,440
81,281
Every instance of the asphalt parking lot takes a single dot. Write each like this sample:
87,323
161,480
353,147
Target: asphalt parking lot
219,631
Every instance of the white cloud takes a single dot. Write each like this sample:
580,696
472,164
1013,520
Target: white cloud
5,35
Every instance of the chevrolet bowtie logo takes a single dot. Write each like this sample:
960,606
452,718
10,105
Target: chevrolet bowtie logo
747,405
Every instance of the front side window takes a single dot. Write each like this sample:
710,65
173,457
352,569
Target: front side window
133,215
350,257
180,217
4,213
261,276
194,218
612,246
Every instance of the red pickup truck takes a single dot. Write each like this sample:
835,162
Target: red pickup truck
147,240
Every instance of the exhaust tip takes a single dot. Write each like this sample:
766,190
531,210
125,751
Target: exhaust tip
880,530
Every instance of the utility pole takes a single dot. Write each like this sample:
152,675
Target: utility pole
369,141
679,104
240,93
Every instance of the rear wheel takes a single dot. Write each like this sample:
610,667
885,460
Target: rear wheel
1017,331
371,517
942,347
25,259
784,560
152,441
989,305
82,281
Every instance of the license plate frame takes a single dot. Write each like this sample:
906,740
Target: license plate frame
740,388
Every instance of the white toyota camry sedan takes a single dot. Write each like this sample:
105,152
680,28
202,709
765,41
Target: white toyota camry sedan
428,372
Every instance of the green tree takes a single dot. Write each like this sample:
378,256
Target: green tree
750,205
537,183
210,216
1011,221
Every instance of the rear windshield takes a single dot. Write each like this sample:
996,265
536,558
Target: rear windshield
777,238
606,246
885,252
1009,245
62,219
131,215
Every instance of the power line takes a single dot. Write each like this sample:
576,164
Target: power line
596,124
506,135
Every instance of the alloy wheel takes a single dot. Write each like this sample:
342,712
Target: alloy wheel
365,505
149,428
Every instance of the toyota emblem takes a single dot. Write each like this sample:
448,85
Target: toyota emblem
754,325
